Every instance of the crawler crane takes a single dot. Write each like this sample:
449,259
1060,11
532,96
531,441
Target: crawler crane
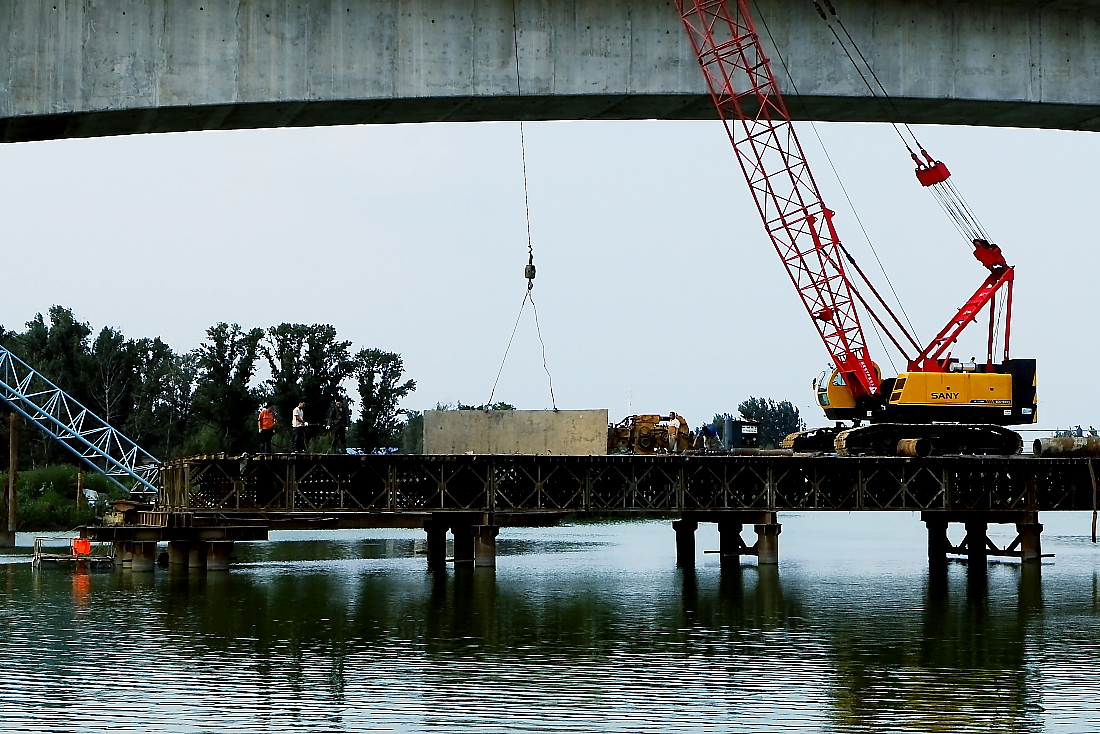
940,404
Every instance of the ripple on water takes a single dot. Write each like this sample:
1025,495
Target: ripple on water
304,637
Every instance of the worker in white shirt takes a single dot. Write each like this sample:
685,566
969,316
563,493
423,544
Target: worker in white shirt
298,428
673,432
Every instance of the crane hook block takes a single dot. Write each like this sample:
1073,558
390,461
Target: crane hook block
529,271
933,173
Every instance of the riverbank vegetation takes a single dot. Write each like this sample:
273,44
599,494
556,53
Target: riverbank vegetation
205,400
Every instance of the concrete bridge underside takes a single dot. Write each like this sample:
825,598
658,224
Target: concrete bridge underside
83,68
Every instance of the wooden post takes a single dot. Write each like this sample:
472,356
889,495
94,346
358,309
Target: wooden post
8,522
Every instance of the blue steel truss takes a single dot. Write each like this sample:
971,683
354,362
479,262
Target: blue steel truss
78,429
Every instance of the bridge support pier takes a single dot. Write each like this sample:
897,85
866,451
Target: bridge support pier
144,556
177,553
196,556
437,545
1030,533
485,545
730,544
123,553
938,544
767,543
218,555
977,547
464,545
685,542
976,550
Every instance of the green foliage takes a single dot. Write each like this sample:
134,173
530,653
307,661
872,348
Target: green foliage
412,433
46,497
204,401
776,419
308,363
380,390
224,397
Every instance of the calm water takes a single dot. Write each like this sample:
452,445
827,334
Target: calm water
587,628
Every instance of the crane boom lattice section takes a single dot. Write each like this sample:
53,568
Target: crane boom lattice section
755,115
78,429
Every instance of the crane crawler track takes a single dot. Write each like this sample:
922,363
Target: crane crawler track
881,439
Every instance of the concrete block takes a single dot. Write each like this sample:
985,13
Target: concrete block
563,432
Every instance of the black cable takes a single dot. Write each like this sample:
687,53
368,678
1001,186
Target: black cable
538,331
529,272
526,295
843,188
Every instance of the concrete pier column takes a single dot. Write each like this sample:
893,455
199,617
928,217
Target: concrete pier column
938,543
729,543
144,556
437,545
685,542
218,554
196,555
177,553
1030,544
485,545
123,553
976,550
767,543
464,546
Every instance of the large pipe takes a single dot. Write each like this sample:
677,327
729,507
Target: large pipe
1067,446
916,448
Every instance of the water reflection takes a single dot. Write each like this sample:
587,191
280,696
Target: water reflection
353,634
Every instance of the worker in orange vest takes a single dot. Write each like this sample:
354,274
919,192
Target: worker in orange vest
266,423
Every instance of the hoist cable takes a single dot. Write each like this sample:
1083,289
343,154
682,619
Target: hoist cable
871,69
829,158
529,271
526,295
952,202
874,96
522,141
538,331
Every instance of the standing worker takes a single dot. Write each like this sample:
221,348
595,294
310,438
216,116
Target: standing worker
298,428
673,432
338,422
265,422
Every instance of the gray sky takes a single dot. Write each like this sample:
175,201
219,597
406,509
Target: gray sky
656,282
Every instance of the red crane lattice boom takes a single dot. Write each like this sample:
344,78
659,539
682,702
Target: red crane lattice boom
750,105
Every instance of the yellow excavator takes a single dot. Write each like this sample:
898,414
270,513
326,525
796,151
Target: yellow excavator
649,434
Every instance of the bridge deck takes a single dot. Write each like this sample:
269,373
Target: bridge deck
349,491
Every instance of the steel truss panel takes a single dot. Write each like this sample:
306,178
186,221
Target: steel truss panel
336,485
87,436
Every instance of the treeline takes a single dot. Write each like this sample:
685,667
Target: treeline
777,419
206,400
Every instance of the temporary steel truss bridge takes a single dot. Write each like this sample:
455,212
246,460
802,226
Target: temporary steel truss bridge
89,437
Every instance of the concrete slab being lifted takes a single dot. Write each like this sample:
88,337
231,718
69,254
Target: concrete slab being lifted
561,432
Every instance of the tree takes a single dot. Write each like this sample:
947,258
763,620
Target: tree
776,420
164,384
380,390
307,363
412,433
224,399
113,363
59,351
